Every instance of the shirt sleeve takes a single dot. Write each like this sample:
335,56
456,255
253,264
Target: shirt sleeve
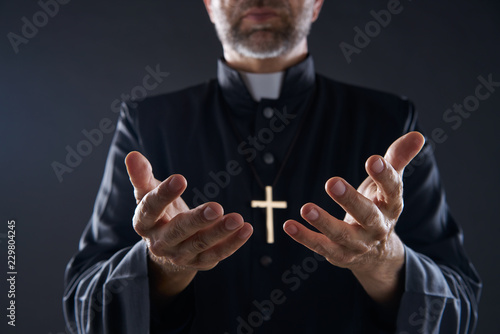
106,282
442,287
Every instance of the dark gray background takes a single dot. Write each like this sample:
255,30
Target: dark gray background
66,77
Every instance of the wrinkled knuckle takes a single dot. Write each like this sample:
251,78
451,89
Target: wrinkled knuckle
372,219
342,236
176,231
198,244
145,209
146,202
397,190
344,258
158,248
363,248
381,233
199,261
320,249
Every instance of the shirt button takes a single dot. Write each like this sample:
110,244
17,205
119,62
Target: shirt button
268,158
268,112
266,261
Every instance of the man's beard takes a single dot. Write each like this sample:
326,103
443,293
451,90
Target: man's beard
265,40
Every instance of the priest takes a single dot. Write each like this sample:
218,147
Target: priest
270,200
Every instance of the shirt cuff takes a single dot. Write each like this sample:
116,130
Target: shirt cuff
425,297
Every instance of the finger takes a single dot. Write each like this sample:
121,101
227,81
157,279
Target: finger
211,235
363,210
351,236
389,186
186,224
141,174
317,242
404,149
223,249
152,206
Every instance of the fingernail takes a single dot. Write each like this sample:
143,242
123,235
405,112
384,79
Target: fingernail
245,233
175,183
338,188
232,224
378,166
311,215
210,214
291,229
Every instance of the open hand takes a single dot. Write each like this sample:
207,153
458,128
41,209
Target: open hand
180,239
364,241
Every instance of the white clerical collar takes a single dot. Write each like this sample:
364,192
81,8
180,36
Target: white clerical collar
263,85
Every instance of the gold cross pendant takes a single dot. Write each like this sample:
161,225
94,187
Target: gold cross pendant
269,205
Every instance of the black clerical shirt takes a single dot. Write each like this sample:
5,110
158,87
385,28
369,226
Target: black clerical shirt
214,134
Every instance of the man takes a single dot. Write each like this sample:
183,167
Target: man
259,142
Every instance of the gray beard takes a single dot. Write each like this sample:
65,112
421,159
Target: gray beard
282,40
277,45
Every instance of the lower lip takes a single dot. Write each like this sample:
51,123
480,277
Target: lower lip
260,17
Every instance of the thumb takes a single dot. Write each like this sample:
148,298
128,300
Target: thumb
141,174
404,149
